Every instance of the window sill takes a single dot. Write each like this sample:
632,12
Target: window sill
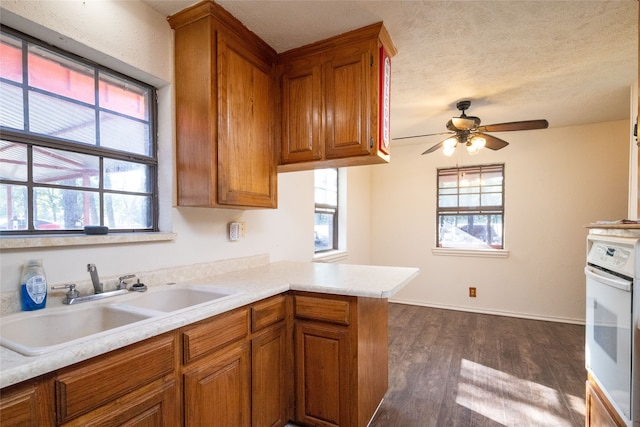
330,256
10,242
480,253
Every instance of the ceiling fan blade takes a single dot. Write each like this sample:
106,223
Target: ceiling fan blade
434,148
419,136
492,142
506,127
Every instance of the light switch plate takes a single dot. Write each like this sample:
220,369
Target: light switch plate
235,230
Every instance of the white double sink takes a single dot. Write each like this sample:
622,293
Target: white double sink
39,332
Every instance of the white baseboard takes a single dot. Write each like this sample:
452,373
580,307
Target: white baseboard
493,312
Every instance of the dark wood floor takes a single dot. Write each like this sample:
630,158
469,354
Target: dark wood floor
452,368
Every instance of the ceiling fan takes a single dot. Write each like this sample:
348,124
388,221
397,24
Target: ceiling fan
466,130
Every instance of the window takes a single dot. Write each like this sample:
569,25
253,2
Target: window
326,209
77,143
471,207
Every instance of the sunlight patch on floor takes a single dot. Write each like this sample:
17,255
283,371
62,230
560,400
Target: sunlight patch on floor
505,398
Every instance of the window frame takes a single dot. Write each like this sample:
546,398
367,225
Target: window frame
458,210
102,153
333,210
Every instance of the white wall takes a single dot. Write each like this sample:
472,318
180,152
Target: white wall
359,214
556,181
634,158
131,38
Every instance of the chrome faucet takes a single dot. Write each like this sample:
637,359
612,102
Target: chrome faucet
121,281
73,296
93,271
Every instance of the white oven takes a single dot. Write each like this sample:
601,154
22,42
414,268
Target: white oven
612,337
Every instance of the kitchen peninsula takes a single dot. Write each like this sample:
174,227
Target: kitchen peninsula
325,322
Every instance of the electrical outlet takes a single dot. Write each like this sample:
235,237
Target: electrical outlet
472,292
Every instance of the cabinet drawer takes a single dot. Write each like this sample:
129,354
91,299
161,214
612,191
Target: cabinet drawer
268,312
94,383
155,404
214,334
323,309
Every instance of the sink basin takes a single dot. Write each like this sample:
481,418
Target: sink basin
173,298
38,332
35,333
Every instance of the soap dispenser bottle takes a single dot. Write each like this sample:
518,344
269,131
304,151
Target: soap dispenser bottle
33,286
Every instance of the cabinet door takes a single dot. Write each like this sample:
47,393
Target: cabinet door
269,378
27,404
217,389
322,374
348,94
246,158
196,145
301,104
599,412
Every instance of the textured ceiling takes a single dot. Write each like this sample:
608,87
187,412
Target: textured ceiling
570,62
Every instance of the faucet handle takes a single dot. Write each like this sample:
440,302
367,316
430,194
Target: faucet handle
72,290
121,281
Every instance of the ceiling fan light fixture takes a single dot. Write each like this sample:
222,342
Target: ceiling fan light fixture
450,142
449,146
448,151
465,122
466,130
478,141
475,144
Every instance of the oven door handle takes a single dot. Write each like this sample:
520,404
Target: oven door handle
625,285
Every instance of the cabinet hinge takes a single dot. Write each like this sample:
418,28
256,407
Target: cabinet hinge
371,142
371,61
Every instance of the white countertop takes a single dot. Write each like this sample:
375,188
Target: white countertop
255,284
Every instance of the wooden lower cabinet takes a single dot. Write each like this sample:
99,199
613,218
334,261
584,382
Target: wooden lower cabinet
28,404
102,381
315,359
599,412
153,405
217,389
322,371
271,362
216,371
269,383
341,358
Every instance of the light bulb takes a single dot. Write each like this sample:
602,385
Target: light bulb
448,151
450,143
479,142
472,149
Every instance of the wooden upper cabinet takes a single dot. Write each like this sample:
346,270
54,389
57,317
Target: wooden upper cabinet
350,119
243,112
301,104
246,161
225,111
330,96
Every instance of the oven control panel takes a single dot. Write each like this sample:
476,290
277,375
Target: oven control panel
613,255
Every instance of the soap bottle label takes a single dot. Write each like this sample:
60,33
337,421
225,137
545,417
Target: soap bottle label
36,288
33,288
